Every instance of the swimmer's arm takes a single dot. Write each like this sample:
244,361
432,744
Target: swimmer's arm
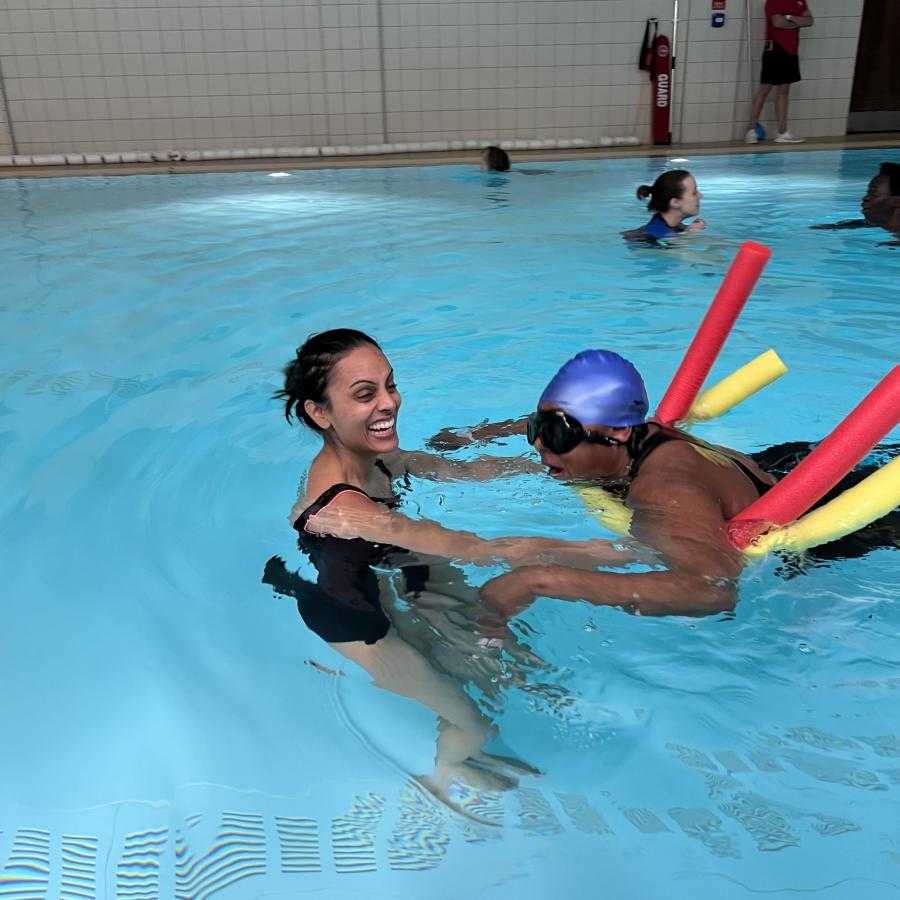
687,529
843,225
483,433
439,468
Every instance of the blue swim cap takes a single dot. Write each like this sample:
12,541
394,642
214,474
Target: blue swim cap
599,387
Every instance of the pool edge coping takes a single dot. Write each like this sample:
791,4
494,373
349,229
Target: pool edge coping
887,141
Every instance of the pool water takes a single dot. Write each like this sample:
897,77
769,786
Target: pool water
171,729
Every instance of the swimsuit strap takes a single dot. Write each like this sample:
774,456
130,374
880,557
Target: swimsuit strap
323,500
655,440
663,436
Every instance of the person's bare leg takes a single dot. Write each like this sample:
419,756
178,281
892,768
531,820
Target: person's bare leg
397,667
781,106
759,101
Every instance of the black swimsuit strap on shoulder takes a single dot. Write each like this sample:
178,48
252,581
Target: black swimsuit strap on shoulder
323,500
655,440
663,436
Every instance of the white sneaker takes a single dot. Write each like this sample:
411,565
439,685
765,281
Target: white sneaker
787,138
751,137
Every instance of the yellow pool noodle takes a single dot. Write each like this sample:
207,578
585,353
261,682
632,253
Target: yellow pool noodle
610,511
737,387
857,507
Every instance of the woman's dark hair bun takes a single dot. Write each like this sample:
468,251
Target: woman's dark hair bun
668,187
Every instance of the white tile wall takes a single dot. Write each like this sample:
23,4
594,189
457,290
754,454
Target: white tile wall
200,74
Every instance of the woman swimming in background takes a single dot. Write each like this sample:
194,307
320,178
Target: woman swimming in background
494,159
342,386
673,198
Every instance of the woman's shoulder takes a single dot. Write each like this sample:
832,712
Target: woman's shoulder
323,483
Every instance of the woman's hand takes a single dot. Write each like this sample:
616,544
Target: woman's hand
449,439
510,593
697,225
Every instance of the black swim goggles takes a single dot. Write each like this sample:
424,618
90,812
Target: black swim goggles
561,433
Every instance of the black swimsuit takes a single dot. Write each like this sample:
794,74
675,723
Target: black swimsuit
664,436
344,604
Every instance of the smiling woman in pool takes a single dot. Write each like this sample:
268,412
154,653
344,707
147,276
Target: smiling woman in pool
342,386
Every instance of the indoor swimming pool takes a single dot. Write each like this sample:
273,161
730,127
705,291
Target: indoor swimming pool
171,729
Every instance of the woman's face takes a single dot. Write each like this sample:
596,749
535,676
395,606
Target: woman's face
690,198
363,402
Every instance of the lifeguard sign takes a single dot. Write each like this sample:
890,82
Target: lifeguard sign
662,89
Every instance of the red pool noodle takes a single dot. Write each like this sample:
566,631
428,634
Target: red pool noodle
714,329
828,463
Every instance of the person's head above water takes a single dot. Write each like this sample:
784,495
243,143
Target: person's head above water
881,202
342,386
674,191
599,387
587,414
494,159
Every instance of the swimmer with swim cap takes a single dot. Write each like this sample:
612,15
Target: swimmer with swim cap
591,424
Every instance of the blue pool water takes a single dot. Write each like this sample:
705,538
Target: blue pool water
164,731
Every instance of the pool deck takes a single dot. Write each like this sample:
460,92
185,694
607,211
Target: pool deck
887,141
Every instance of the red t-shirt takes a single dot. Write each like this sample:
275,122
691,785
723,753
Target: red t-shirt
786,38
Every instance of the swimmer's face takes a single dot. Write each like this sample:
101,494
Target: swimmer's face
878,204
363,402
587,459
689,202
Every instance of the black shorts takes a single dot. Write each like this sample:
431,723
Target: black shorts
779,66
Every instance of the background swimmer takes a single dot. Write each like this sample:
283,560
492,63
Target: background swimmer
496,159
880,204
673,198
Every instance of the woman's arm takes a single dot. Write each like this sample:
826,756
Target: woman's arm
795,21
439,468
352,515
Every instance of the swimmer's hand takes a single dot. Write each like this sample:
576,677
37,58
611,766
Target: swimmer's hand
484,432
697,225
449,439
509,593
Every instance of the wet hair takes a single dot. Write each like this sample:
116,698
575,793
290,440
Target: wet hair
307,376
892,170
496,159
668,187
